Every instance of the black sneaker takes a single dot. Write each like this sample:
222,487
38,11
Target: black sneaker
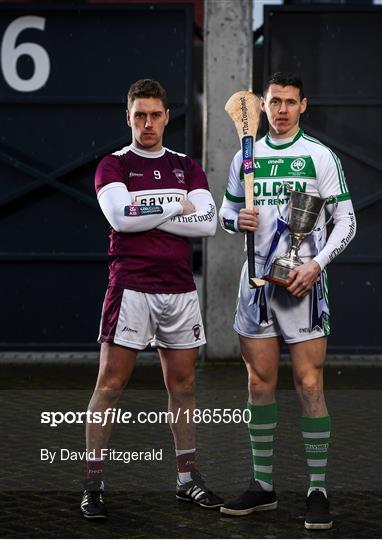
255,499
317,511
92,505
196,491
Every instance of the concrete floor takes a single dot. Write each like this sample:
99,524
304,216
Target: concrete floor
41,500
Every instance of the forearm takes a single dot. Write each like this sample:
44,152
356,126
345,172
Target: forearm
202,222
342,234
123,216
228,216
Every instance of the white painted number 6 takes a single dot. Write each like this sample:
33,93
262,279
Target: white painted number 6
10,53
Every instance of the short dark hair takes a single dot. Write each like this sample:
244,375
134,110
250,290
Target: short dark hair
285,79
145,88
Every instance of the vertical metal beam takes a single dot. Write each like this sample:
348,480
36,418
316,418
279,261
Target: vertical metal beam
228,67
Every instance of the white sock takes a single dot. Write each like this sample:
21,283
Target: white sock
323,490
265,485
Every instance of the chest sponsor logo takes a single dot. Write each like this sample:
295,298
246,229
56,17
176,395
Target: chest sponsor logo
270,193
179,173
132,174
272,189
159,198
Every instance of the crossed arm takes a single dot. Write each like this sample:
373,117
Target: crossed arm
195,216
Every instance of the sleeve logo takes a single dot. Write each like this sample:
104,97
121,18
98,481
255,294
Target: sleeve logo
143,210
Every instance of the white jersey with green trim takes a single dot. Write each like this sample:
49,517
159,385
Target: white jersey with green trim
306,165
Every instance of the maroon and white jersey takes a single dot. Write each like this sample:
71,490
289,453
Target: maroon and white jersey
139,193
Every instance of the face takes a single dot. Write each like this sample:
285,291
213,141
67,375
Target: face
283,107
147,118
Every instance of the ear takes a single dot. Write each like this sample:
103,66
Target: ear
128,118
167,116
262,104
303,106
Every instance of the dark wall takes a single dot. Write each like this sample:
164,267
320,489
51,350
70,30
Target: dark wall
337,50
63,81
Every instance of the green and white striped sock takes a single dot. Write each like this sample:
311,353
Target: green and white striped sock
316,435
261,429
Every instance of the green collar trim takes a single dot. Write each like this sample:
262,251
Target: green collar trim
299,134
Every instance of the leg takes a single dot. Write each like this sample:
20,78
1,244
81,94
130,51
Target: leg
308,358
178,367
261,357
116,366
179,376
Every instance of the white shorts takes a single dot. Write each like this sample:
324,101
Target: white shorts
135,319
278,313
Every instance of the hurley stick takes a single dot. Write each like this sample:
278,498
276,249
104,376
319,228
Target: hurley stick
244,110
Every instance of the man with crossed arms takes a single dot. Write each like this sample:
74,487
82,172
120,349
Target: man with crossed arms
154,200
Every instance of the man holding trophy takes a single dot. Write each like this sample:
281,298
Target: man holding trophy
296,178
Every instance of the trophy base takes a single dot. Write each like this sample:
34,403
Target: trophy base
280,270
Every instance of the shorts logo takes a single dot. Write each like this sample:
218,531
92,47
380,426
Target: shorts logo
131,174
196,330
180,175
127,329
304,330
308,330
298,164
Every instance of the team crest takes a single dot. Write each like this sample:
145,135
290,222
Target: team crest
180,175
298,164
196,329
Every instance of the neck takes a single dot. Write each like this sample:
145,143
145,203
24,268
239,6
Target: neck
282,136
147,152
157,148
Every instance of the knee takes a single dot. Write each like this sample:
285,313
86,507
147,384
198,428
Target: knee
111,389
259,386
181,386
310,386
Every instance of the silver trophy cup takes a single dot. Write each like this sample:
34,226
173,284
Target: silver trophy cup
303,214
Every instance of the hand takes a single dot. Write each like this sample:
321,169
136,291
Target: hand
188,207
247,219
302,278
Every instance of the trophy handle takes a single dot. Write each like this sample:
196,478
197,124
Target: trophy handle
335,202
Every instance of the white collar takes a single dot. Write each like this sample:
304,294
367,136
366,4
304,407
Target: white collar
280,142
147,153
